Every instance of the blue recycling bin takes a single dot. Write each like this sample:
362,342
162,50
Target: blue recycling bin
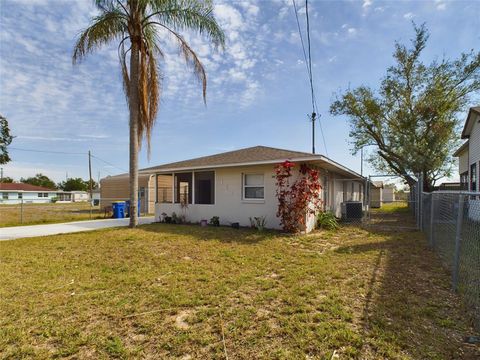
127,206
118,209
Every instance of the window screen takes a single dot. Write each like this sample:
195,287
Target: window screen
253,187
205,187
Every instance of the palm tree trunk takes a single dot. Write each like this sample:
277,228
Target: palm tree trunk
134,114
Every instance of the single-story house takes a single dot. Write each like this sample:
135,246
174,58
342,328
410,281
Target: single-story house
14,193
237,185
469,153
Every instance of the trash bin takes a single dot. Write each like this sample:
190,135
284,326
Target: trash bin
118,209
127,207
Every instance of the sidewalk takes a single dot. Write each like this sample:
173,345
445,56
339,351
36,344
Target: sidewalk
17,232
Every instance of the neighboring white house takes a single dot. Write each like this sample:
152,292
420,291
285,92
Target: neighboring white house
16,193
469,153
240,184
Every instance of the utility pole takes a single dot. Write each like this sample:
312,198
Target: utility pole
90,174
313,132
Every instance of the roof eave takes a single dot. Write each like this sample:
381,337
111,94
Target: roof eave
263,162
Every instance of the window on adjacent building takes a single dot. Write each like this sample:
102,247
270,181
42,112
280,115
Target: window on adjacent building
205,187
253,187
45,194
40,195
20,195
473,177
5,196
464,180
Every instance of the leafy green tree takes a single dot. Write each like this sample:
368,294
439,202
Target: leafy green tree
39,180
5,140
139,27
76,184
412,118
6,180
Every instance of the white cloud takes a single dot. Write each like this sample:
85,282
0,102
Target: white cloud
409,16
441,5
367,3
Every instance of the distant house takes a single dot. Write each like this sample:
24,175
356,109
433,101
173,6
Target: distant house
240,184
381,193
469,153
13,193
16,193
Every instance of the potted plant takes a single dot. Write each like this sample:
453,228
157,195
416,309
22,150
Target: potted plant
215,221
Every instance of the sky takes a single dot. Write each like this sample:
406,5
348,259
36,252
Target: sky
257,92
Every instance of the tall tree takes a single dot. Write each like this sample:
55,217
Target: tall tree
39,180
5,140
6,180
76,184
412,118
138,27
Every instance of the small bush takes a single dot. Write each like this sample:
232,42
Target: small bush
258,222
215,221
327,220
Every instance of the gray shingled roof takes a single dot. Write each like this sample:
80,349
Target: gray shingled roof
248,155
251,156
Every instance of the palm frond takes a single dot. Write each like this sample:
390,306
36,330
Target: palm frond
111,24
182,15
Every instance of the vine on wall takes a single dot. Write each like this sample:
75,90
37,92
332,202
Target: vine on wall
299,199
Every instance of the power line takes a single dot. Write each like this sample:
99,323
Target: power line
109,163
308,65
48,151
67,153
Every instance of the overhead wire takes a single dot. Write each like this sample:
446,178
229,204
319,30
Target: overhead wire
308,65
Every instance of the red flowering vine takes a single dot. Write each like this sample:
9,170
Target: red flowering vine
296,200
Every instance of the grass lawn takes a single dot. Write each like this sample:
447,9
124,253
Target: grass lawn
181,291
10,215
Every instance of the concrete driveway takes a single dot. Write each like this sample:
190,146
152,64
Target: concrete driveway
17,232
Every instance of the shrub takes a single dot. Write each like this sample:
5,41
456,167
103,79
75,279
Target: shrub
215,221
327,220
258,222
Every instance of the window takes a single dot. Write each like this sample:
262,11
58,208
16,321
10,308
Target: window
5,196
45,194
473,177
183,188
205,187
464,180
40,195
20,195
253,187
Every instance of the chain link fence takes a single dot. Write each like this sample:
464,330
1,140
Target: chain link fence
451,221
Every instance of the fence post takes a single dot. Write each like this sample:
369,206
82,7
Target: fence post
432,217
21,211
458,239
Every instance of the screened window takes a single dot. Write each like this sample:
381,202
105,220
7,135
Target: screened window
253,186
473,177
205,187
183,188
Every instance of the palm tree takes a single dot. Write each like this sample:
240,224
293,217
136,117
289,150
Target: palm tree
139,27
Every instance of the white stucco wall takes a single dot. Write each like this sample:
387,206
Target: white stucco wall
231,207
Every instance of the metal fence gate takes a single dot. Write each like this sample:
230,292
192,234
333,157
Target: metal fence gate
391,203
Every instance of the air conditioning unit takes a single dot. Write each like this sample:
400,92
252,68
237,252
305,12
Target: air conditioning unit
352,210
